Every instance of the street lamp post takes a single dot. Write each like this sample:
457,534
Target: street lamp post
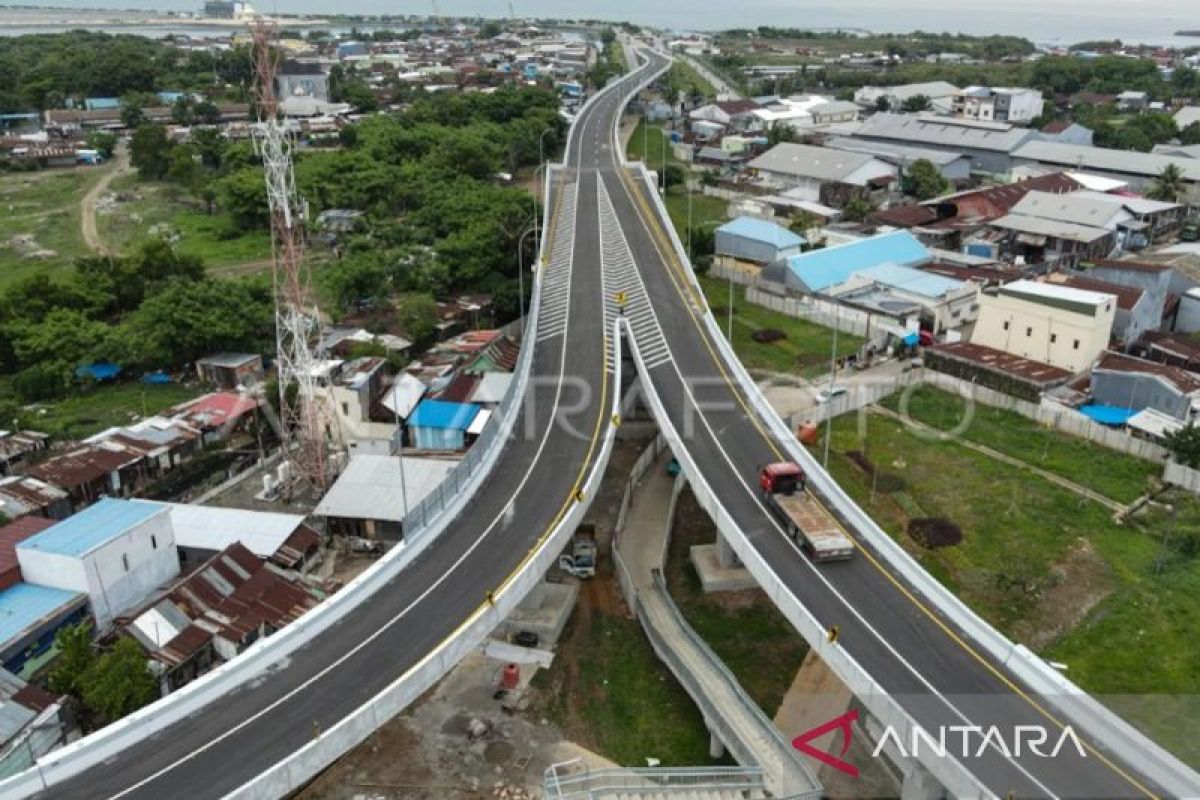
837,321
521,271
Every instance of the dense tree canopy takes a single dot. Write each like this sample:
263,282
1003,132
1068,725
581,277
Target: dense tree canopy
43,70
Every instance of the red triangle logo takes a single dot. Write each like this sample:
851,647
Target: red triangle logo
842,723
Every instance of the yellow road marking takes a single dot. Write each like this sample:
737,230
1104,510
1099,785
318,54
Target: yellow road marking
675,272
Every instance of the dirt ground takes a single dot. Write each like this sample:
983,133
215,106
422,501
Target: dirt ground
1081,580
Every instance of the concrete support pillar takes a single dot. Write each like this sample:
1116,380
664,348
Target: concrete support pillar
919,784
725,555
716,748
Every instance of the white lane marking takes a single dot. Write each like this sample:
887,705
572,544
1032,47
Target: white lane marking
742,481
387,625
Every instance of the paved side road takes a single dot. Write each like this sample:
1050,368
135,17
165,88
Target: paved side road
87,206
725,90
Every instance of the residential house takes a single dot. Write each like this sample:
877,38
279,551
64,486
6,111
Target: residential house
203,531
1153,280
937,302
1171,348
441,424
822,175
755,243
18,448
117,552
735,116
216,612
12,534
218,415
1052,324
1131,100
939,93
1136,312
30,617
32,723
228,371
1126,382
374,494
1017,105
24,495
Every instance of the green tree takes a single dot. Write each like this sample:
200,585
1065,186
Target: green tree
925,181
120,682
1184,445
802,222
75,659
183,110
103,142
918,102
417,315
490,29
882,105
1190,134
132,116
149,151
211,146
183,166
188,319
857,209
244,195
359,95
1168,185
206,112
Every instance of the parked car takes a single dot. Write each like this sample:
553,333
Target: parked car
825,395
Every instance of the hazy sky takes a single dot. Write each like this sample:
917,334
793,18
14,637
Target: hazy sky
1040,20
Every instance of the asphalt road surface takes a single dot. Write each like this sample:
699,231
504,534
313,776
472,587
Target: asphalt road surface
918,656
257,725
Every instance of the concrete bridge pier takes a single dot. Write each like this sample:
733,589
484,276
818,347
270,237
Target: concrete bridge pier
726,558
916,782
716,748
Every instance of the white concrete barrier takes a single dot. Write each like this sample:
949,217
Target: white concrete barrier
315,756
1101,724
957,780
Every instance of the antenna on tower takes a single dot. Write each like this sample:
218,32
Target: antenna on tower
512,14
297,326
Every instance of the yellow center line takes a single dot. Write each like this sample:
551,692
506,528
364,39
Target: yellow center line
675,271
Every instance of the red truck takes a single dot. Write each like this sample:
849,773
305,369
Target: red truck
809,524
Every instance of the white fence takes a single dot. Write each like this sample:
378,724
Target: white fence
822,312
1177,474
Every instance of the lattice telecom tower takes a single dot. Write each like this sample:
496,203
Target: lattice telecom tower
297,325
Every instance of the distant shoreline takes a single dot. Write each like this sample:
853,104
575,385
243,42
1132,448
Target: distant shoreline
1188,33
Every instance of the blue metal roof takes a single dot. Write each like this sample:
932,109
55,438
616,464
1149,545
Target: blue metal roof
26,605
443,414
820,269
761,230
92,527
911,280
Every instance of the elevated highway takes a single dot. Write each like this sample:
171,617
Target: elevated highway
902,647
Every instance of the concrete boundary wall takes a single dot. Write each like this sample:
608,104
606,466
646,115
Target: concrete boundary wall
957,780
1097,722
307,762
1184,477
64,763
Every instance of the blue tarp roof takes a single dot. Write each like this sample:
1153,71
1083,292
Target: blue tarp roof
101,371
820,269
762,231
25,605
92,527
157,377
1107,415
443,414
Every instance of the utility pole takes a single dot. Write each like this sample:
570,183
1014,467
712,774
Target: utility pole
832,377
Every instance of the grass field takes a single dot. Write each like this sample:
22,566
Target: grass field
104,406
1045,566
691,81
622,701
144,208
805,349
1113,474
646,144
39,220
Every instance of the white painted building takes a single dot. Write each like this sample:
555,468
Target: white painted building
118,552
1057,325
1014,104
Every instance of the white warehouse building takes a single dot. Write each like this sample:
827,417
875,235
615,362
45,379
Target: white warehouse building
118,552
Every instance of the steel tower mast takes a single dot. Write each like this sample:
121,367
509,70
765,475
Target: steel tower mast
297,324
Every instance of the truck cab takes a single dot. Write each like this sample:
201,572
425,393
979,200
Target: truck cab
784,477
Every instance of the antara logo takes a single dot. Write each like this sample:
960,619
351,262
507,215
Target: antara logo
972,742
